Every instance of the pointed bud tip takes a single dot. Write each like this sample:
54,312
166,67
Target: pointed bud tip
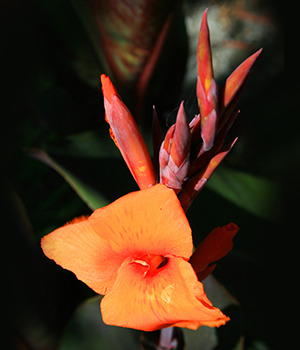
107,87
247,64
204,25
254,56
204,17
258,52
237,78
182,123
204,58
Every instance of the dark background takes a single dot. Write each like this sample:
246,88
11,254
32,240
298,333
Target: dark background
50,89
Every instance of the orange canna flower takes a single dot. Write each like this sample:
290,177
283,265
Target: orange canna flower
136,253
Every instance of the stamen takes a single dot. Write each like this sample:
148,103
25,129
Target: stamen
152,262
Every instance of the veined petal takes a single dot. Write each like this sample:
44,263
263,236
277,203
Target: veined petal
150,221
171,297
127,136
143,222
214,247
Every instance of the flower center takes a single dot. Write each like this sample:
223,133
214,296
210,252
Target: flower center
152,263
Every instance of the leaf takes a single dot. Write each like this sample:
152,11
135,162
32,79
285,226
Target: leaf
87,331
87,144
91,144
127,35
72,42
49,295
91,163
257,195
131,40
93,198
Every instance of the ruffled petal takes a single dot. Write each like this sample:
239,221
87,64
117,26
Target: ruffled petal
171,297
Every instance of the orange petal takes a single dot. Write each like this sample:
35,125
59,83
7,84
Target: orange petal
150,221
78,247
124,131
214,247
171,297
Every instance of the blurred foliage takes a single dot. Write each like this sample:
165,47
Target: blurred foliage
52,109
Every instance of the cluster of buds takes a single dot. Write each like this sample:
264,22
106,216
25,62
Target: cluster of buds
190,151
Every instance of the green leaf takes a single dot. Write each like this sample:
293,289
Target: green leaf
88,144
137,49
91,163
87,331
93,198
257,195
40,280
91,144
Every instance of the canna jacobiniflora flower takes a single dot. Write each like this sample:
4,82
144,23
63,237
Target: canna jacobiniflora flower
137,252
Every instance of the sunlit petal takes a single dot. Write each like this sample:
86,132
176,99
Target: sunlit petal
149,221
79,248
170,297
